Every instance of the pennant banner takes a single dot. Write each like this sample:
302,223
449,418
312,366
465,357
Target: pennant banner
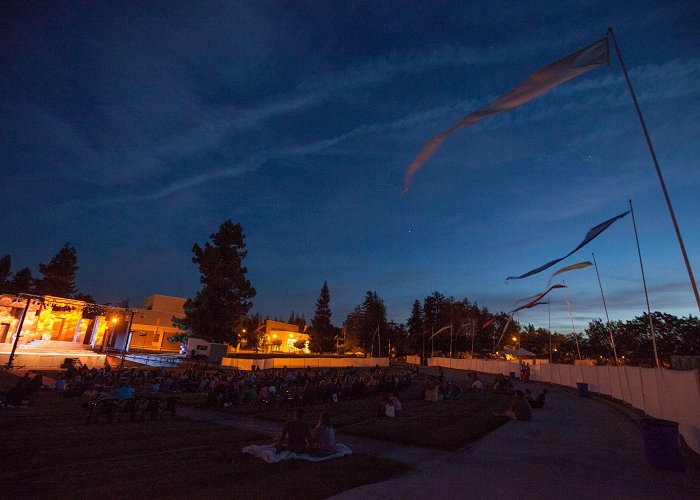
535,301
489,322
580,265
537,84
590,236
440,331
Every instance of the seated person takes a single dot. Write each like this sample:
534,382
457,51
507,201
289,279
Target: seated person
539,402
478,385
519,408
124,391
394,400
322,437
296,432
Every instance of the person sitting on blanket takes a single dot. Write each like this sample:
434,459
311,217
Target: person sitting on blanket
322,437
297,433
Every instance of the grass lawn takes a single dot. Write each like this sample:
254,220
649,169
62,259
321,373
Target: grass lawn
49,452
446,425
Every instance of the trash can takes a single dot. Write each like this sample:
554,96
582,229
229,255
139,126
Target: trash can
662,443
582,389
512,375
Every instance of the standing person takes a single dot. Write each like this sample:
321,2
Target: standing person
323,436
297,433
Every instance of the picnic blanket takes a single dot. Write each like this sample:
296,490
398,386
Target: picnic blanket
268,453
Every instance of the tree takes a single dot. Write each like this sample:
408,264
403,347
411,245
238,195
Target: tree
367,324
22,281
224,300
5,275
59,274
414,327
322,333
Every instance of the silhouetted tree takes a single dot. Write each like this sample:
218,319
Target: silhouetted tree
322,334
22,281
5,275
59,274
367,324
224,300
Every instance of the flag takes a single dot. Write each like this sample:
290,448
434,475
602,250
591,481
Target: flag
579,265
539,296
440,331
488,323
590,236
537,84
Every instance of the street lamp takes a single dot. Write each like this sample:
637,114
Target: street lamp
517,339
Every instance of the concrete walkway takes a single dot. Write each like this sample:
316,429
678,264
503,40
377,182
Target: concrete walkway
575,448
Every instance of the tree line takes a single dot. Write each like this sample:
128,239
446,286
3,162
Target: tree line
437,325
57,277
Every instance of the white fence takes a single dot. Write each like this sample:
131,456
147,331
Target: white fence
660,393
269,363
51,361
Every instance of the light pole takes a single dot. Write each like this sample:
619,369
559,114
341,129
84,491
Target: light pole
29,298
127,339
106,338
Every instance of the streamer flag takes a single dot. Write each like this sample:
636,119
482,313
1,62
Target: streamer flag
534,302
440,331
592,234
488,323
579,265
538,83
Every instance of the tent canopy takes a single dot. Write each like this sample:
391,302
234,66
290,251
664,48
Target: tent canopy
523,352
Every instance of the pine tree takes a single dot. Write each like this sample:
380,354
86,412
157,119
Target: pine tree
224,300
322,330
366,323
415,327
59,274
5,275
22,281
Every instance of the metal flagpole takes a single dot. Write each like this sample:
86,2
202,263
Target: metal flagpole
473,334
646,294
658,170
450,340
568,305
612,341
549,319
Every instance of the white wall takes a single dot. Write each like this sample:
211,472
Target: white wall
660,393
303,362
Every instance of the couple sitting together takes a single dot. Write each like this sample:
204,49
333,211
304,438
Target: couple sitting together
301,439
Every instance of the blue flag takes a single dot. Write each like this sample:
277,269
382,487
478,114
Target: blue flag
590,236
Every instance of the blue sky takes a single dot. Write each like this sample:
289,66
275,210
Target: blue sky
134,130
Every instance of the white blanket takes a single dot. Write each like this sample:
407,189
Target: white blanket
268,453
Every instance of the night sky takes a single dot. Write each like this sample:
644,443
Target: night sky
133,131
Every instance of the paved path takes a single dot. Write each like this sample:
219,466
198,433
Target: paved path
575,448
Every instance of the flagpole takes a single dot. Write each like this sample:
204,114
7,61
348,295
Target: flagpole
612,341
658,171
573,328
549,320
646,293
473,333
